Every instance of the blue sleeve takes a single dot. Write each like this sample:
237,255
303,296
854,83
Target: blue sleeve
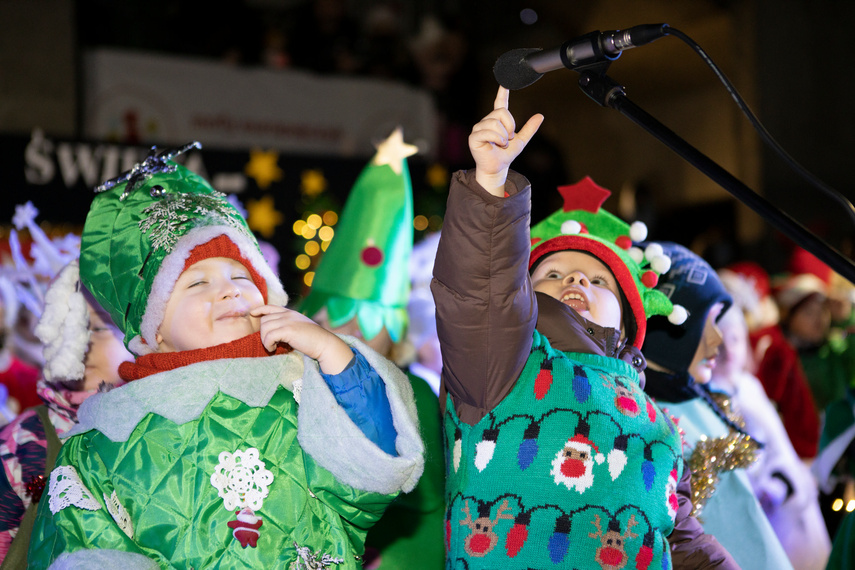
361,392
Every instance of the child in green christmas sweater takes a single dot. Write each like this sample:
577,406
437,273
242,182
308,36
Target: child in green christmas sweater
247,435
556,457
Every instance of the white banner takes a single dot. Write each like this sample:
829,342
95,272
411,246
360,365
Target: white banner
154,99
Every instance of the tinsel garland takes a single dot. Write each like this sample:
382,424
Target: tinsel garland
713,456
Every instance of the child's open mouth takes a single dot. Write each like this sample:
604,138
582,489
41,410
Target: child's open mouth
575,300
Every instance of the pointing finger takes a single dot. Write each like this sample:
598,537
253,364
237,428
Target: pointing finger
502,96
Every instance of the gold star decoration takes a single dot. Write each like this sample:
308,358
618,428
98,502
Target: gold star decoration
262,216
312,182
263,167
393,151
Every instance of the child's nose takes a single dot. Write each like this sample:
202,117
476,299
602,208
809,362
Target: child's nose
577,277
230,290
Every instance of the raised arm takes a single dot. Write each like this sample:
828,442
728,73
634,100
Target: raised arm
486,309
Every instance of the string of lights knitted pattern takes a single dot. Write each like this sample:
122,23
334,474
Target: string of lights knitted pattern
576,467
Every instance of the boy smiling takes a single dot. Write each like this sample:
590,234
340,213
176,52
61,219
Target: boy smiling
557,458
583,283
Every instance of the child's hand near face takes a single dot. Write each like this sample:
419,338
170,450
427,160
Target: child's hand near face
494,145
279,324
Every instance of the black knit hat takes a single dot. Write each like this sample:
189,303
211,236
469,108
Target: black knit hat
692,283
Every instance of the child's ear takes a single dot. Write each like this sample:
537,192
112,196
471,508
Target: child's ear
158,338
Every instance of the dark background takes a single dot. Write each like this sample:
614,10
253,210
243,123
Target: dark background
788,58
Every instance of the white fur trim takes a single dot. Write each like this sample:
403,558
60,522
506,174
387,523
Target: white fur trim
64,326
331,438
172,267
181,395
88,559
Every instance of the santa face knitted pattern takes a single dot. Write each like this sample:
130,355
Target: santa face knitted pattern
576,467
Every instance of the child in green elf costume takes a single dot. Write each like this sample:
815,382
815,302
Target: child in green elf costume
361,288
247,435
557,458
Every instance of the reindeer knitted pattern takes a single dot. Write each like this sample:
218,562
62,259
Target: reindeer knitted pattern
522,490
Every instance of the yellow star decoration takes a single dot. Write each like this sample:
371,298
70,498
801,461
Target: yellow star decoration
262,216
437,175
312,182
263,167
393,151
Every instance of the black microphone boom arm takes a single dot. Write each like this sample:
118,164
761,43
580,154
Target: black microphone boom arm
608,93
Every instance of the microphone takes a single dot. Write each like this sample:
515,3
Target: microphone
521,67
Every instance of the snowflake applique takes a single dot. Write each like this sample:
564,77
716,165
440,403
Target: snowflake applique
241,479
165,219
66,489
119,514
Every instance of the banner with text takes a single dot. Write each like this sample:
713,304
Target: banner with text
146,99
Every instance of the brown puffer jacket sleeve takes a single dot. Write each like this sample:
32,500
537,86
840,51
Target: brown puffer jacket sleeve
690,546
485,307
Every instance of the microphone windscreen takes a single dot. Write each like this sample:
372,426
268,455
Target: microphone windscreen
512,71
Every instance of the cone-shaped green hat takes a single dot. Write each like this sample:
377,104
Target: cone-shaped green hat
140,229
365,271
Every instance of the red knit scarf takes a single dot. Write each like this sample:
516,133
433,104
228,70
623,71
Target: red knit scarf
248,346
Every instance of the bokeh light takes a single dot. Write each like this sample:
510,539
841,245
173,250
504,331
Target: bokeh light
303,261
314,221
330,218
528,16
420,222
326,233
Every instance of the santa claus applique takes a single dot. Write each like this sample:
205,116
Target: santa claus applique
573,465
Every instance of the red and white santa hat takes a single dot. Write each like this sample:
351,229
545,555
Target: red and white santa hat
582,443
806,275
749,285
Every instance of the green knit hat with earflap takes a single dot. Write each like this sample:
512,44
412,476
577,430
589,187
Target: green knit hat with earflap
582,225
364,273
140,230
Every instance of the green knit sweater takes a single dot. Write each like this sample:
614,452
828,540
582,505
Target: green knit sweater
576,468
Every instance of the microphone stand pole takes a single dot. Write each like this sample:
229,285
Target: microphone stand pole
608,93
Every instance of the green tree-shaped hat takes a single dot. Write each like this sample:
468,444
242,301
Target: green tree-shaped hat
139,232
365,271
581,224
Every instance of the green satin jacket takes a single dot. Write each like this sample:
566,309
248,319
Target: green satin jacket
158,469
